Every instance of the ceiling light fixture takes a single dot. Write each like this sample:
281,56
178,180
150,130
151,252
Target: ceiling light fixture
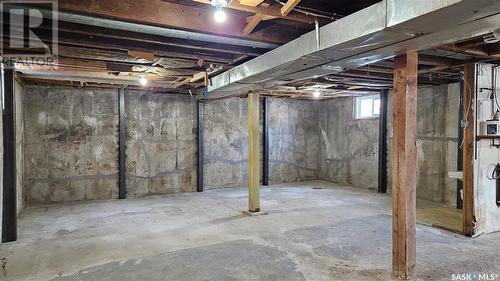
143,81
219,15
316,94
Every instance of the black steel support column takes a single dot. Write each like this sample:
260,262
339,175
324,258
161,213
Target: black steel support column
199,144
265,143
460,156
382,145
9,215
122,187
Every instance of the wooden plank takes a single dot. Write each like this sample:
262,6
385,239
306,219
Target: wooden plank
162,13
288,7
468,150
253,153
404,165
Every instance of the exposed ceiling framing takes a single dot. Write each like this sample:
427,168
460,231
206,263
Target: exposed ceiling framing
178,46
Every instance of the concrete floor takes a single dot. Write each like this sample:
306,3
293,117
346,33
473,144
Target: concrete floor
332,233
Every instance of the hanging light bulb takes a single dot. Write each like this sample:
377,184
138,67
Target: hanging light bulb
143,81
219,15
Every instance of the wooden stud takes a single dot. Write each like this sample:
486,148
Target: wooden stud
404,165
253,153
468,150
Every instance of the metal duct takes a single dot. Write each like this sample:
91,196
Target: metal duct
378,32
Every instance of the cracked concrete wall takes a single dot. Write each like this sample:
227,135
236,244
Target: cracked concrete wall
293,140
225,142
348,148
437,142
70,144
161,143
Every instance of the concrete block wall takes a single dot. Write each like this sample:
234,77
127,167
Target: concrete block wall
161,143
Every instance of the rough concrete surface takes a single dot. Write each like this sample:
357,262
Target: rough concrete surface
348,147
332,233
293,140
19,132
437,141
225,142
70,144
161,143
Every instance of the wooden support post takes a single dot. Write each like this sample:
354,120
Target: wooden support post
253,153
404,165
468,150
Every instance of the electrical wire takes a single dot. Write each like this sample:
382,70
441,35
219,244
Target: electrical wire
494,85
469,107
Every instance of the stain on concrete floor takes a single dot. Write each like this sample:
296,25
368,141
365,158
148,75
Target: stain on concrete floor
231,261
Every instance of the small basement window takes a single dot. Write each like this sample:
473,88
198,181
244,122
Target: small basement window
367,107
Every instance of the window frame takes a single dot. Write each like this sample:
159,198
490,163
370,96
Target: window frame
357,106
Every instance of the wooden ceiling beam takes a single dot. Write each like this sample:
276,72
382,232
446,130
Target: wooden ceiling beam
161,13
